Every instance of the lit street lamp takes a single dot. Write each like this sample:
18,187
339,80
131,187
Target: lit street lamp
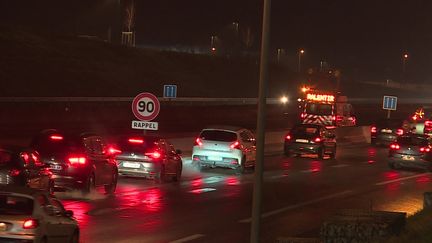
300,54
404,60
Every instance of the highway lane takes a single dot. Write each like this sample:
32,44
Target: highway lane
215,206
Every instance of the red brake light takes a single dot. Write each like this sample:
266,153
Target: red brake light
113,151
235,145
30,224
400,132
56,137
394,146
154,155
334,118
340,118
373,129
77,160
303,115
136,140
14,172
198,142
288,137
425,149
317,140
25,157
428,123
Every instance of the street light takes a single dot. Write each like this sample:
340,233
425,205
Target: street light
404,60
301,52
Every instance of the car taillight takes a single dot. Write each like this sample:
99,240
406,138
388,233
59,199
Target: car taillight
154,155
113,151
30,224
302,115
373,129
394,146
198,142
14,172
317,140
56,137
76,161
288,137
414,118
400,132
333,118
136,140
425,149
26,157
340,118
235,145
428,123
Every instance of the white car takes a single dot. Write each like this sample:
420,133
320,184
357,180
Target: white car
29,215
223,146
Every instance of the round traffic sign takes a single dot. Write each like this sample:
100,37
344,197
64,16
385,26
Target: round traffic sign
145,106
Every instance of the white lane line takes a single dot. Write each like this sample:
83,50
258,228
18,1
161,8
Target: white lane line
188,238
281,210
277,176
339,166
401,179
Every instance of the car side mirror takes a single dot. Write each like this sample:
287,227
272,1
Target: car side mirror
178,151
69,213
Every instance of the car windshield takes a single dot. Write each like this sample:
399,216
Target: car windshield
305,131
412,140
218,135
15,205
137,144
319,109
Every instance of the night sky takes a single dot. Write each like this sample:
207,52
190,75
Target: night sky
367,36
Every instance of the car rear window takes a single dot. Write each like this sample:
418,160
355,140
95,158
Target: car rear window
218,135
411,140
137,145
305,130
46,145
15,205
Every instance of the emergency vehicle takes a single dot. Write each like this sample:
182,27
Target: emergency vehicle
326,108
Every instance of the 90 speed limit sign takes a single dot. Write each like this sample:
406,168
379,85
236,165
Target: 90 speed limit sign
145,106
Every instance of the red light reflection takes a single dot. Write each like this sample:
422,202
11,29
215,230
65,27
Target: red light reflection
315,166
391,175
197,182
80,210
423,180
232,181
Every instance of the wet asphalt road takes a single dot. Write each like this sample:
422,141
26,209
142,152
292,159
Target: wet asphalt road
215,205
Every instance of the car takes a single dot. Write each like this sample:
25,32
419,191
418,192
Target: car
421,120
22,166
150,157
225,146
305,139
385,131
77,161
411,151
32,215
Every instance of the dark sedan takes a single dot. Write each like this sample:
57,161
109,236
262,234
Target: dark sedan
386,131
23,167
150,157
411,151
310,139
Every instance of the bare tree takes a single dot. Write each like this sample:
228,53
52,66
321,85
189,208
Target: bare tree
129,20
248,38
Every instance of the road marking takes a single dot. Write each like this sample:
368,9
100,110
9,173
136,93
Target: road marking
281,210
339,166
188,238
277,176
401,179
202,190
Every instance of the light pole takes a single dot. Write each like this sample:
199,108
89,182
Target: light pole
300,54
213,40
404,60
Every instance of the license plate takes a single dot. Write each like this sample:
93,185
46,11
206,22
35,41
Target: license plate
214,158
55,167
386,131
407,157
302,141
3,227
131,165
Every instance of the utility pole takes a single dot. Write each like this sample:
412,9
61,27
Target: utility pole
262,102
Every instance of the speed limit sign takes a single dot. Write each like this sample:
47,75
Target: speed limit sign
145,106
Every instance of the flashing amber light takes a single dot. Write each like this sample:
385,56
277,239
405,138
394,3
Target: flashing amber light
305,89
320,97
135,140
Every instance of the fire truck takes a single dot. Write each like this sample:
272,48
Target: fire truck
326,108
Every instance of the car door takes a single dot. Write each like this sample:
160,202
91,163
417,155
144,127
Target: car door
248,143
65,225
52,220
172,157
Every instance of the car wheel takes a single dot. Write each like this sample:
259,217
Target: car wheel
178,174
321,153
160,176
90,185
242,168
75,237
110,189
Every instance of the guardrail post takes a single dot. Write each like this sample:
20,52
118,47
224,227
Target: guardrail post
427,200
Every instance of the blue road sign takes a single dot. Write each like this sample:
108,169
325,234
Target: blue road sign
390,103
170,91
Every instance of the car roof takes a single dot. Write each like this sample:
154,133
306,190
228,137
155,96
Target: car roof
224,128
20,190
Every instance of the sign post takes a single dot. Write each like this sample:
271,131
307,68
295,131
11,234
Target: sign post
145,107
389,104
